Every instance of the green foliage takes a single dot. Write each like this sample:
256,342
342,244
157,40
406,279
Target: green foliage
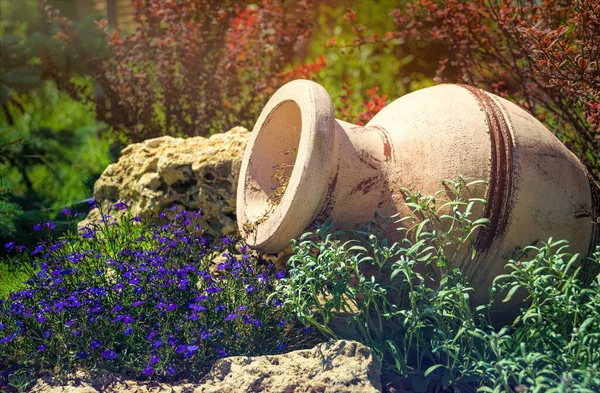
384,290
409,302
51,153
11,278
395,68
554,344
9,211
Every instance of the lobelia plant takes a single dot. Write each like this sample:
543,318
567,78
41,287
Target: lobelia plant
140,299
409,302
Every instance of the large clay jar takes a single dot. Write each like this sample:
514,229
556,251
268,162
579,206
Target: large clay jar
536,188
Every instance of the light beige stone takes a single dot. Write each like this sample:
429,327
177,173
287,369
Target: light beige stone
194,173
334,367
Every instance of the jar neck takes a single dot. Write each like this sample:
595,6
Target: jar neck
358,186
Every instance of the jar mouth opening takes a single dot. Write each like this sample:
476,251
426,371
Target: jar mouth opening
286,166
270,168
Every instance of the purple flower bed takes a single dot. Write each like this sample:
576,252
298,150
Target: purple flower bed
146,300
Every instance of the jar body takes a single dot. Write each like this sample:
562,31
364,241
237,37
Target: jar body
536,188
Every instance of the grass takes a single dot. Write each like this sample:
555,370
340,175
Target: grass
11,280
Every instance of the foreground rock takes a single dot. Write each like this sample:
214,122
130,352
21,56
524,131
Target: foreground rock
192,173
338,367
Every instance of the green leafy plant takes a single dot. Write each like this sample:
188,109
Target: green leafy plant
554,343
407,300
9,211
51,153
420,325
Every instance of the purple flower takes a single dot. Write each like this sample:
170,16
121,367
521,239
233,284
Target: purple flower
197,307
128,319
148,371
220,307
93,204
206,335
87,233
41,318
82,355
221,352
281,346
128,331
66,211
7,339
10,246
180,349
120,205
172,307
49,225
109,354
138,303
308,330
250,288
39,248
95,344
38,226
155,359
41,348
192,348
183,284
157,344
48,333
231,317
171,370
280,275
223,266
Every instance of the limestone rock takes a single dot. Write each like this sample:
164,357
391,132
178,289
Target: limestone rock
342,366
193,173
335,367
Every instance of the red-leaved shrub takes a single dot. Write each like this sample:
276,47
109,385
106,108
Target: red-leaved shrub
543,55
193,67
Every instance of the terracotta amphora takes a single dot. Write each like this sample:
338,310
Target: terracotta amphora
536,188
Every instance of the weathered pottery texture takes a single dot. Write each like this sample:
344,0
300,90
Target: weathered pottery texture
536,188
